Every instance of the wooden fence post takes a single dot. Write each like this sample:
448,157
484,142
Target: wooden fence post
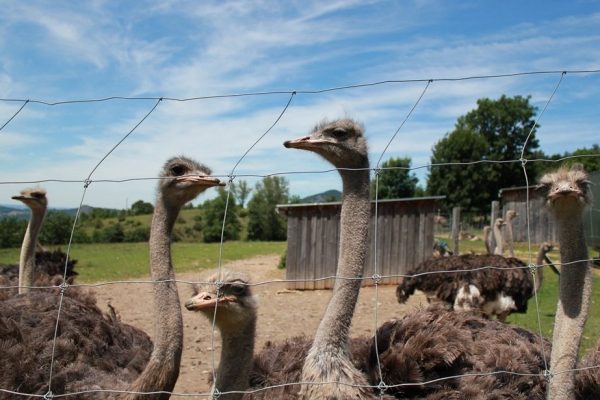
455,229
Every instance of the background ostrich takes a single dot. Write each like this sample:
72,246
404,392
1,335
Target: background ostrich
500,290
343,144
508,231
498,236
95,351
568,193
487,239
35,268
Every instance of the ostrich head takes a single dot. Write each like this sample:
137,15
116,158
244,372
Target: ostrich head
230,294
341,142
182,179
566,190
499,223
546,247
511,214
34,198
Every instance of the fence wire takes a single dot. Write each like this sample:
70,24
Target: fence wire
375,279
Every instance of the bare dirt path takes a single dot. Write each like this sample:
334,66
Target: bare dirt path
282,314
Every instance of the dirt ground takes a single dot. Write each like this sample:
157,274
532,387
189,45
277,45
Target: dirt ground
282,314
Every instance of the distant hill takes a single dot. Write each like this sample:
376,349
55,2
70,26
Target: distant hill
23,212
324,197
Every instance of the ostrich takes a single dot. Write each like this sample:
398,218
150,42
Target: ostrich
93,350
500,290
497,229
568,193
510,216
37,202
36,268
487,241
327,367
226,298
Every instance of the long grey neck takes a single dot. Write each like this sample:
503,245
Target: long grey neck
334,328
509,238
499,240
539,273
237,354
162,370
27,258
573,305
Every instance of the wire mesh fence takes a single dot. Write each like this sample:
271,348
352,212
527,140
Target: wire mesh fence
379,387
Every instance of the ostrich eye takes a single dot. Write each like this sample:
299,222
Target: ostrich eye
338,133
178,170
238,289
37,195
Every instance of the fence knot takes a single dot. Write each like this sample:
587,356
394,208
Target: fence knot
218,284
49,395
376,279
523,161
382,387
533,268
63,286
231,179
216,393
87,183
547,374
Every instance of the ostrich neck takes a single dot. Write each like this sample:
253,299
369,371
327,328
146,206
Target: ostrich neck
539,273
509,238
354,224
27,258
237,354
162,369
572,307
499,240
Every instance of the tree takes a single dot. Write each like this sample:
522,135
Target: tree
141,207
240,191
263,221
395,183
57,228
590,164
12,230
496,130
214,212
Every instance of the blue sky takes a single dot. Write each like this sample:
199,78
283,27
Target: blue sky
64,50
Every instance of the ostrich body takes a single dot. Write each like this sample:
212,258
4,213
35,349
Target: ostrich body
568,193
510,216
89,342
343,144
500,290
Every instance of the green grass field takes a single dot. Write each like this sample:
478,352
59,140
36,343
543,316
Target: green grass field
115,261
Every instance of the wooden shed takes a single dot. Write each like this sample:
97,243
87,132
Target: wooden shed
404,239
541,224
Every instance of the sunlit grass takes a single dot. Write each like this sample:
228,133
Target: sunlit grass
116,261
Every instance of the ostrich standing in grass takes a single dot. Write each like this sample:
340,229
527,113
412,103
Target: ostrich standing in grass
95,351
498,237
510,216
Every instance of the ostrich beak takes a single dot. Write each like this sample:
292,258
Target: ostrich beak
205,300
200,180
20,198
305,142
565,192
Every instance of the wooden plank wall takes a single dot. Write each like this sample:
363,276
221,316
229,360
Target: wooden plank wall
541,224
404,239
